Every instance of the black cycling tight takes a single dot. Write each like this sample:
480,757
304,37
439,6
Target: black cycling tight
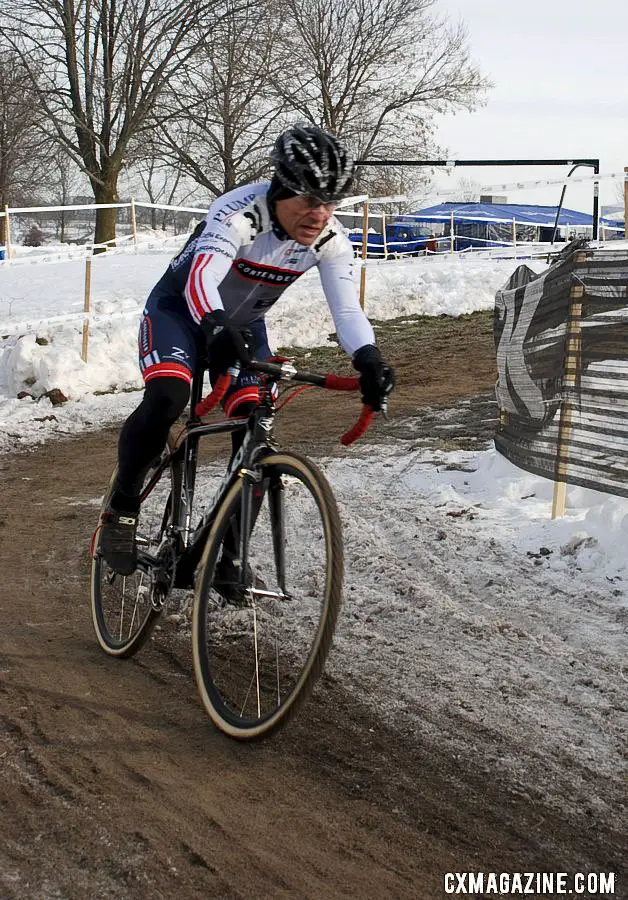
145,432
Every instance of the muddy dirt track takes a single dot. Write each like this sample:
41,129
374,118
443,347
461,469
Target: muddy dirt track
113,783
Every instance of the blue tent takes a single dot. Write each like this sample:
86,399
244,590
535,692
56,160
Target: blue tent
492,224
479,225
505,213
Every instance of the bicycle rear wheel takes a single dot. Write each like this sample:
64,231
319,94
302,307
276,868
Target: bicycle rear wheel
257,655
124,607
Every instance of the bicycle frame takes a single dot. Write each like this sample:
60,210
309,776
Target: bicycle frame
188,544
258,440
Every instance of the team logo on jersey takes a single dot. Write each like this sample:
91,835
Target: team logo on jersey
291,254
180,354
267,274
232,207
146,335
217,237
190,246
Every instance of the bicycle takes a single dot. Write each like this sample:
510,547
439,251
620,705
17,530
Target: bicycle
260,636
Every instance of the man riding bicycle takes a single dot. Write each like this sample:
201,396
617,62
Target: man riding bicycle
254,242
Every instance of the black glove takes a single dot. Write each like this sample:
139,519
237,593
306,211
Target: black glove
376,378
226,344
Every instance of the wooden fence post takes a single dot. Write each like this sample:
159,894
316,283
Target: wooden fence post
7,231
86,305
572,366
384,235
365,234
133,221
625,199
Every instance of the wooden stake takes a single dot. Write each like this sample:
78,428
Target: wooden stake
133,222
572,366
7,231
365,229
384,235
86,304
625,199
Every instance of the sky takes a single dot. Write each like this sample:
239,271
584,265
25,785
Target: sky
559,71
431,630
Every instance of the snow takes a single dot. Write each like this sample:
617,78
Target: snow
44,295
464,599
474,620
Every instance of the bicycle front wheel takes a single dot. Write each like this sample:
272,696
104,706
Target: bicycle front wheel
260,645
123,606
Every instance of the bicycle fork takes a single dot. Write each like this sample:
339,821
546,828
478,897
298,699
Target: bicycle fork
252,497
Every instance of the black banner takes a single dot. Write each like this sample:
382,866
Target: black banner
562,357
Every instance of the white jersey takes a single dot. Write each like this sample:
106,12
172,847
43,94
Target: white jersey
239,260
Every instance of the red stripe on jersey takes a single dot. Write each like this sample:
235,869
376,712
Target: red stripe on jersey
242,395
167,370
196,292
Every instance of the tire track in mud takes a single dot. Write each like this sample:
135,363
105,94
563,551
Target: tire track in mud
114,784
112,770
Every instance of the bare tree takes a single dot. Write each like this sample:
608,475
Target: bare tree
99,67
161,183
389,181
376,71
23,156
218,119
66,180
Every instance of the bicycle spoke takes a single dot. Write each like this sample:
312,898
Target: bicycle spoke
259,706
122,605
260,638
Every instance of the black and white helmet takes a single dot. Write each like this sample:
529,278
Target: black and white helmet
311,161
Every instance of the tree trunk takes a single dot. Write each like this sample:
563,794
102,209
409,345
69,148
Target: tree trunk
105,218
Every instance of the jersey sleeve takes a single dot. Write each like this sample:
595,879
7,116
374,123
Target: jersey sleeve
216,249
336,265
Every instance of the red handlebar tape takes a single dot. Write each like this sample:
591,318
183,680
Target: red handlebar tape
212,400
341,383
332,382
360,427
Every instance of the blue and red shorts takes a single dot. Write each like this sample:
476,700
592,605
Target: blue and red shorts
170,345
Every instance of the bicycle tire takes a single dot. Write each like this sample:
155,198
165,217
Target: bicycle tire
116,635
280,471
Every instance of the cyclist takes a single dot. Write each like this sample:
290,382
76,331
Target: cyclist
254,242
